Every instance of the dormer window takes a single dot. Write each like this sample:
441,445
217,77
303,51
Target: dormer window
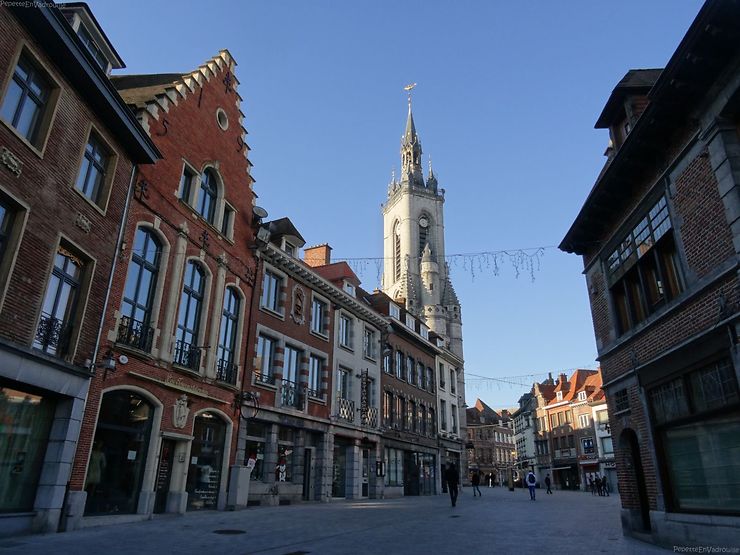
559,395
424,331
581,395
289,249
395,312
349,288
95,52
410,322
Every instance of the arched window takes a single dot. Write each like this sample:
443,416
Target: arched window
187,353
397,251
208,196
138,296
424,238
226,363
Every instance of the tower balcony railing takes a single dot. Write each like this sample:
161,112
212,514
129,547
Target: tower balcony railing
226,371
134,333
52,335
370,418
346,409
187,355
291,394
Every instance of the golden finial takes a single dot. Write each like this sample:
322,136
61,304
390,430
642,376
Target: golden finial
408,88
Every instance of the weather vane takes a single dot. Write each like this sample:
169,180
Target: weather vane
408,88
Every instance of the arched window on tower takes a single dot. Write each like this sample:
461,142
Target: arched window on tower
424,224
397,251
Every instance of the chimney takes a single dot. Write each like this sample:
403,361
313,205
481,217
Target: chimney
563,378
320,255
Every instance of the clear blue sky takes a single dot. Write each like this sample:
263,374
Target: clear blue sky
507,96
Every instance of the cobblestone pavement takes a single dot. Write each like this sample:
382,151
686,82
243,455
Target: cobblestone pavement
498,522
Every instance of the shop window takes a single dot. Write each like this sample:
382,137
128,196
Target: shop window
286,455
643,271
265,362
58,313
118,458
134,329
255,449
697,419
393,467
206,460
24,434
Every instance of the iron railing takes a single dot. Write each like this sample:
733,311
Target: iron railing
346,409
187,355
136,334
226,371
291,394
263,378
52,335
371,418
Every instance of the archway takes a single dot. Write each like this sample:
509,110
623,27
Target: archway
632,462
118,458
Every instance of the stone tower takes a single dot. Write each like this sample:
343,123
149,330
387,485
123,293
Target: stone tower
414,271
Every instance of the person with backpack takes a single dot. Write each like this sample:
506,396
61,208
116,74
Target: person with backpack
531,483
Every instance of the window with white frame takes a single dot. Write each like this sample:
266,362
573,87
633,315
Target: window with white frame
395,312
369,343
291,364
208,196
443,415
584,421
581,395
315,364
424,331
349,288
226,364
399,364
271,283
318,316
388,362
410,322
343,383
345,331
559,396
187,351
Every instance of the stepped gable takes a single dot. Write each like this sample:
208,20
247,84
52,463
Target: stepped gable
153,95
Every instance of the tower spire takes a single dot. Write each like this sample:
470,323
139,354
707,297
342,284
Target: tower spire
411,148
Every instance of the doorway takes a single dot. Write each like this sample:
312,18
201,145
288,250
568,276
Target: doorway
339,473
164,475
307,474
630,447
365,472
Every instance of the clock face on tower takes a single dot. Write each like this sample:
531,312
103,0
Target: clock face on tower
423,222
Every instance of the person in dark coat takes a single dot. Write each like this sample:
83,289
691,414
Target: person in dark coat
453,480
476,482
548,483
605,486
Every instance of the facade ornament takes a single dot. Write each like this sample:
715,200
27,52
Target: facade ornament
180,412
83,222
297,312
11,161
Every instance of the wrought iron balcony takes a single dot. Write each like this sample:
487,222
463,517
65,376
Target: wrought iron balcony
136,334
52,335
371,418
346,409
313,392
291,394
226,371
259,377
187,355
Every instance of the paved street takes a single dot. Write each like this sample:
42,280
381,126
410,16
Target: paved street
500,521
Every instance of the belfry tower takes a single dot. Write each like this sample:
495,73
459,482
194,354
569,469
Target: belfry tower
415,273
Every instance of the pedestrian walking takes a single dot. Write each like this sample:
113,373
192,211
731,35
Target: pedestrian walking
547,483
531,483
453,479
598,487
476,482
489,476
592,485
605,486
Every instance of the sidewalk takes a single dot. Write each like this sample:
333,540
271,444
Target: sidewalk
499,521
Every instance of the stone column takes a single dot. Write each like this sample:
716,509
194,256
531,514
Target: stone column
270,460
218,301
354,471
324,467
173,296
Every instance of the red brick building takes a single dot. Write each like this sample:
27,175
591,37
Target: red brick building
160,430
659,235
68,150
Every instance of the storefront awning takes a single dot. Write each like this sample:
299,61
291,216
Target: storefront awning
562,468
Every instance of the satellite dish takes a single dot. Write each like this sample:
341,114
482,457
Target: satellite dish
259,212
